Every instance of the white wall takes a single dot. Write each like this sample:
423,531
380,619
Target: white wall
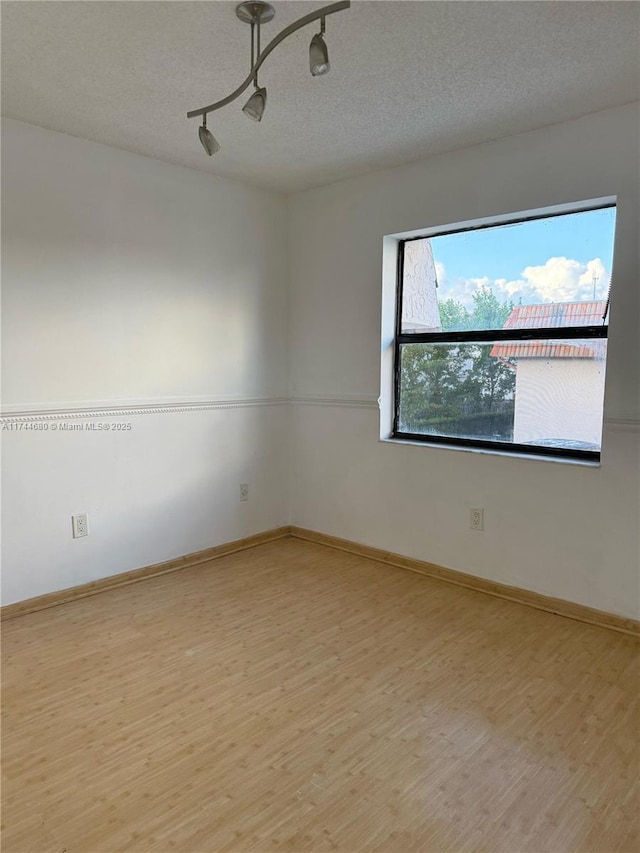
560,529
129,283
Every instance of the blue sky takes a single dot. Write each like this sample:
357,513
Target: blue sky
543,260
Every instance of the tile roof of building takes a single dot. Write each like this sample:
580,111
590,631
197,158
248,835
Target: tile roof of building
553,315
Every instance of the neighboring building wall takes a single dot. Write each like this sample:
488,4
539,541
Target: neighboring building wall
420,297
559,398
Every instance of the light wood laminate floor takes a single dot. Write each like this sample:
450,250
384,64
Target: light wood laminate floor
295,697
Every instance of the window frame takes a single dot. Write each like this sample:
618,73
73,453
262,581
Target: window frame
488,336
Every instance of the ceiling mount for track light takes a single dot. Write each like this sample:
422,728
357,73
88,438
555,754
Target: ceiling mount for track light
253,13
256,14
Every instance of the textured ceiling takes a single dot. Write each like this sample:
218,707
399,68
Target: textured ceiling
408,79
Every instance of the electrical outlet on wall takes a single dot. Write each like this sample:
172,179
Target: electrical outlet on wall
476,518
80,525
244,491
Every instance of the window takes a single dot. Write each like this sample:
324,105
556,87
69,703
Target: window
501,334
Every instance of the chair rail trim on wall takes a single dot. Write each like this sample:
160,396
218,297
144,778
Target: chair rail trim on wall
360,402
46,413
69,411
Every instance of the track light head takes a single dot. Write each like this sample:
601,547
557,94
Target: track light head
318,56
208,140
255,106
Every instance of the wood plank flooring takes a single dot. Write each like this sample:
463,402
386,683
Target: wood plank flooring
292,697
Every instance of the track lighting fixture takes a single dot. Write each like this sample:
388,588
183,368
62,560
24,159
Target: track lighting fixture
208,140
255,14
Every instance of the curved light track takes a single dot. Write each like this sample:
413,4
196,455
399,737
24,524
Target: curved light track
297,25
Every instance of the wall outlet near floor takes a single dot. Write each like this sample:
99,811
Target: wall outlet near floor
244,491
80,525
476,518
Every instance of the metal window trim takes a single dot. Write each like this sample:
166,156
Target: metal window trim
553,333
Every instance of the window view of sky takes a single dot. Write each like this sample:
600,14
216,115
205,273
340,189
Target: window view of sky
557,259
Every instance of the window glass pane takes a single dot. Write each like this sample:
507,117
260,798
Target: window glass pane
548,393
544,272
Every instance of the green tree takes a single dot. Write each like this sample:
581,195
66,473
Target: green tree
488,312
454,317
490,381
459,389
431,377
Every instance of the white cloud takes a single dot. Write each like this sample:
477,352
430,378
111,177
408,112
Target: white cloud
557,280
